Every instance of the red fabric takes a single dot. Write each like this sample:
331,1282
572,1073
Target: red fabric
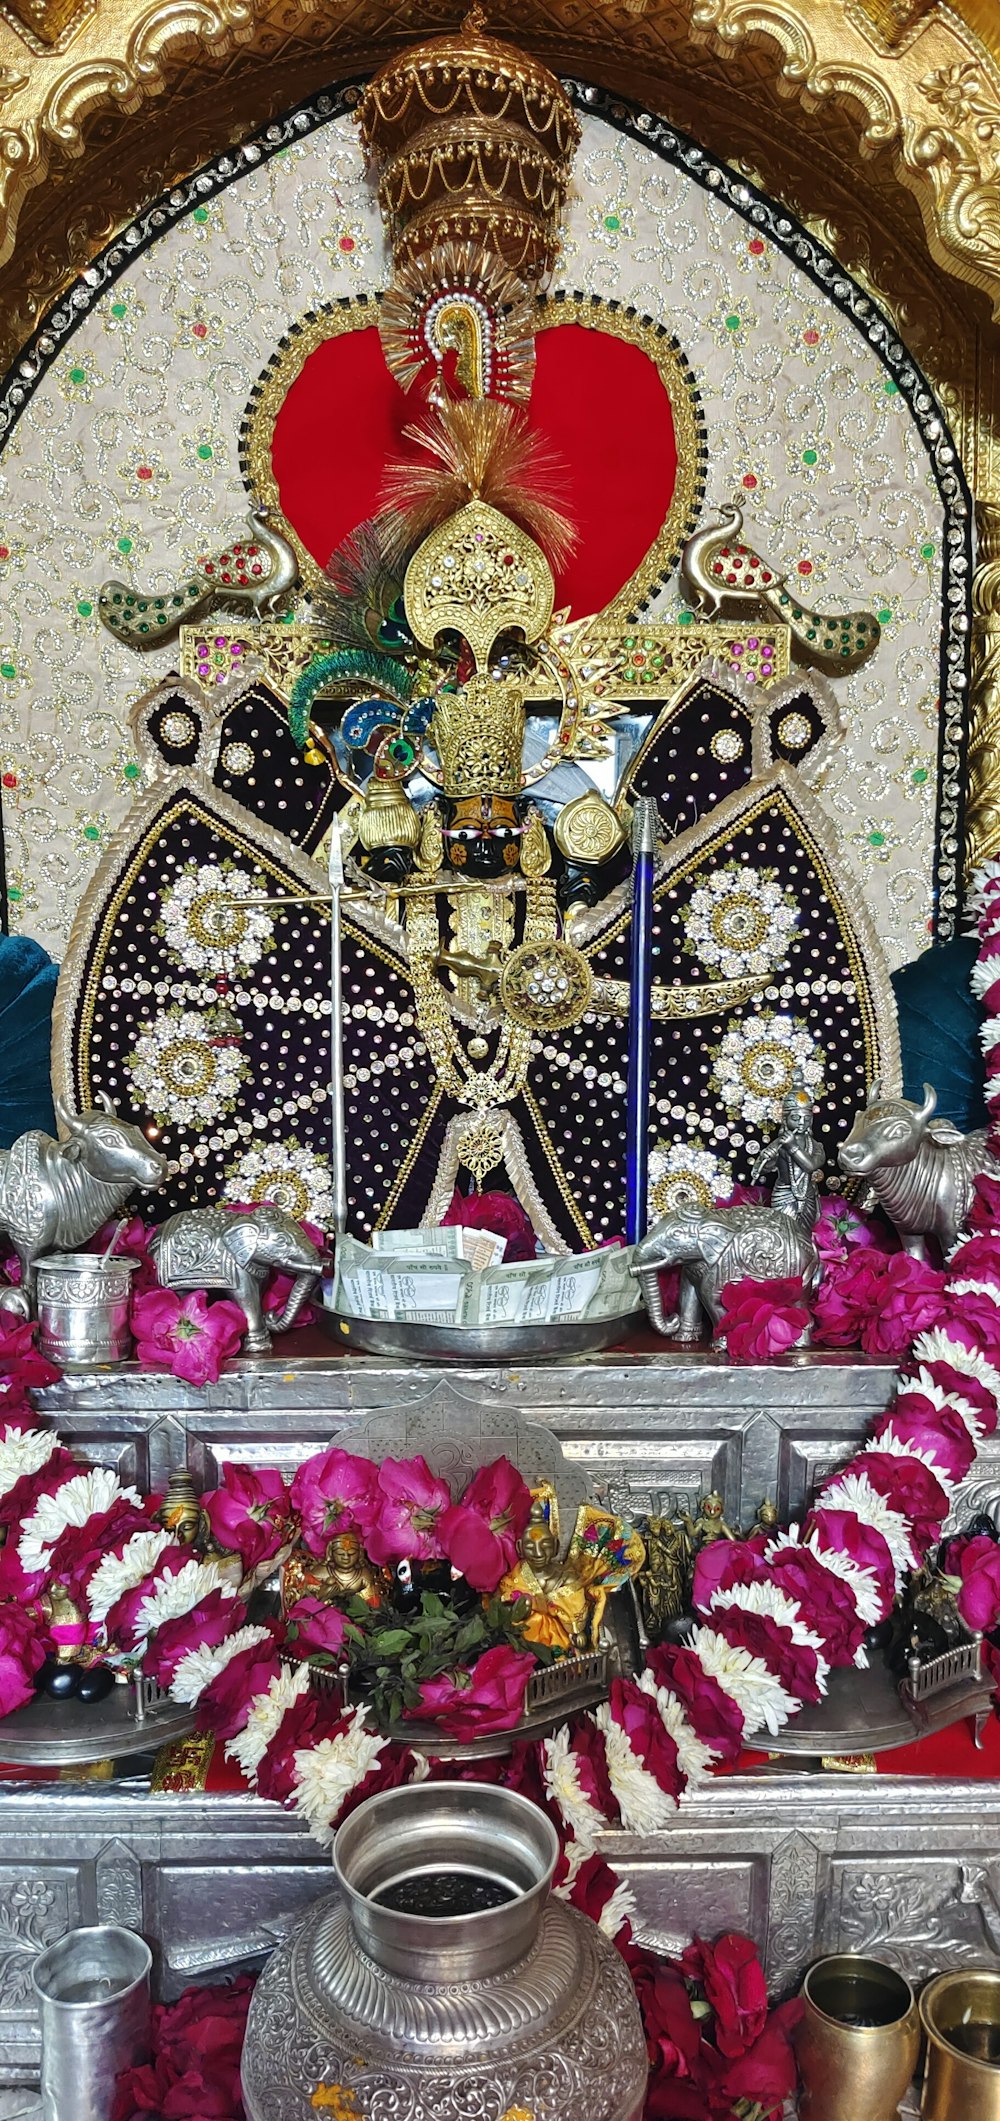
598,404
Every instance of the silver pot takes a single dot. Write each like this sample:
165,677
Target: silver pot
517,2007
83,1309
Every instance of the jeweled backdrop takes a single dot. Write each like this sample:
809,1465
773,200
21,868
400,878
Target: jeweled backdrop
122,459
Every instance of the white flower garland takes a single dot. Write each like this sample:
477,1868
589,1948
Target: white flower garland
119,1573
197,1669
81,1496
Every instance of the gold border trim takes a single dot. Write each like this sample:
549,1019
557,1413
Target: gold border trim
355,312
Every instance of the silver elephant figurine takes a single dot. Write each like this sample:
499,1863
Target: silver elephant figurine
236,1250
54,1195
920,1171
714,1246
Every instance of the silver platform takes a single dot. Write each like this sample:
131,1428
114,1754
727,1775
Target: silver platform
805,1861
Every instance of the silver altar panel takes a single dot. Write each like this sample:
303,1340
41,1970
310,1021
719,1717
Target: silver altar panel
806,1863
647,1424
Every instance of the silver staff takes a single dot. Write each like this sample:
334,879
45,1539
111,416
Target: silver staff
338,1138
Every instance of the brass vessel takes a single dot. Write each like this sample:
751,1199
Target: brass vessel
960,2014
857,2041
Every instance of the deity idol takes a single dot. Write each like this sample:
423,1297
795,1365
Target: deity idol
475,701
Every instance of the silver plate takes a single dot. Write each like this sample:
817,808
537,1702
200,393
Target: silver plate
76,1733
476,1344
863,1712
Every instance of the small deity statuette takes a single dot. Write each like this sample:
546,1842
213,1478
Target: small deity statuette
180,1512
795,1157
766,1520
559,1615
349,1573
709,1525
662,1580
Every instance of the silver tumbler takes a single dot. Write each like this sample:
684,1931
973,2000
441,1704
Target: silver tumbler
93,1992
83,1309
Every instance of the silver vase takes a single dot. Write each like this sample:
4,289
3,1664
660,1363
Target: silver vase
93,1994
83,1309
522,2007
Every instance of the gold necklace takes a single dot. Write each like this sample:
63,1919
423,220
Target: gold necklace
457,1074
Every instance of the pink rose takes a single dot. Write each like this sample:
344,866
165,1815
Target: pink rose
842,1533
959,1386
225,1703
826,1601
637,1715
23,1651
14,1581
972,1318
910,1487
203,1628
411,1503
309,1719
591,1756
480,1533
979,1597
793,1663
841,1228
977,1260
498,1212
335,1492
19,1357
122,1621
315,1629
762,1319
909,1302
187,1336
711,1712
248,1513
847,1296
78,1550
942,1434
489,1696
984,1213
765,2076
732,1977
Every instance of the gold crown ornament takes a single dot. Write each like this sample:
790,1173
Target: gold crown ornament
478,734
472,141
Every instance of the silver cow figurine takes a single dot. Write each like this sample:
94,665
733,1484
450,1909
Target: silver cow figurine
921,1171
236,1250
713,1246
54,1195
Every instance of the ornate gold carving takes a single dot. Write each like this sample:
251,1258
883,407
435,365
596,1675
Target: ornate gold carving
982,818
546,986
935,105
478,575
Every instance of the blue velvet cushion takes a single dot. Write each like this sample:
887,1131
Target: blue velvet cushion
27,988
939,1021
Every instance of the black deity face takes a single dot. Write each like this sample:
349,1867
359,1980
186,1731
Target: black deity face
482,834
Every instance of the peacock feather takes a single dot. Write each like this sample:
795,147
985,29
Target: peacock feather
346,669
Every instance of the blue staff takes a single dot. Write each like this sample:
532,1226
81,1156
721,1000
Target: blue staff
644,821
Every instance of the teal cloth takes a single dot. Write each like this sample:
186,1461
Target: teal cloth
939,1021
27,990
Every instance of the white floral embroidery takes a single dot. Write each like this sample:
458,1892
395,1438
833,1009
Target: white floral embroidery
756,1061
288,1174
204,925
739,920
197,1669
82,1496
180,1071
686,1175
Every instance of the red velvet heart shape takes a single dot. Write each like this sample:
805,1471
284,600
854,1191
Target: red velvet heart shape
598,402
